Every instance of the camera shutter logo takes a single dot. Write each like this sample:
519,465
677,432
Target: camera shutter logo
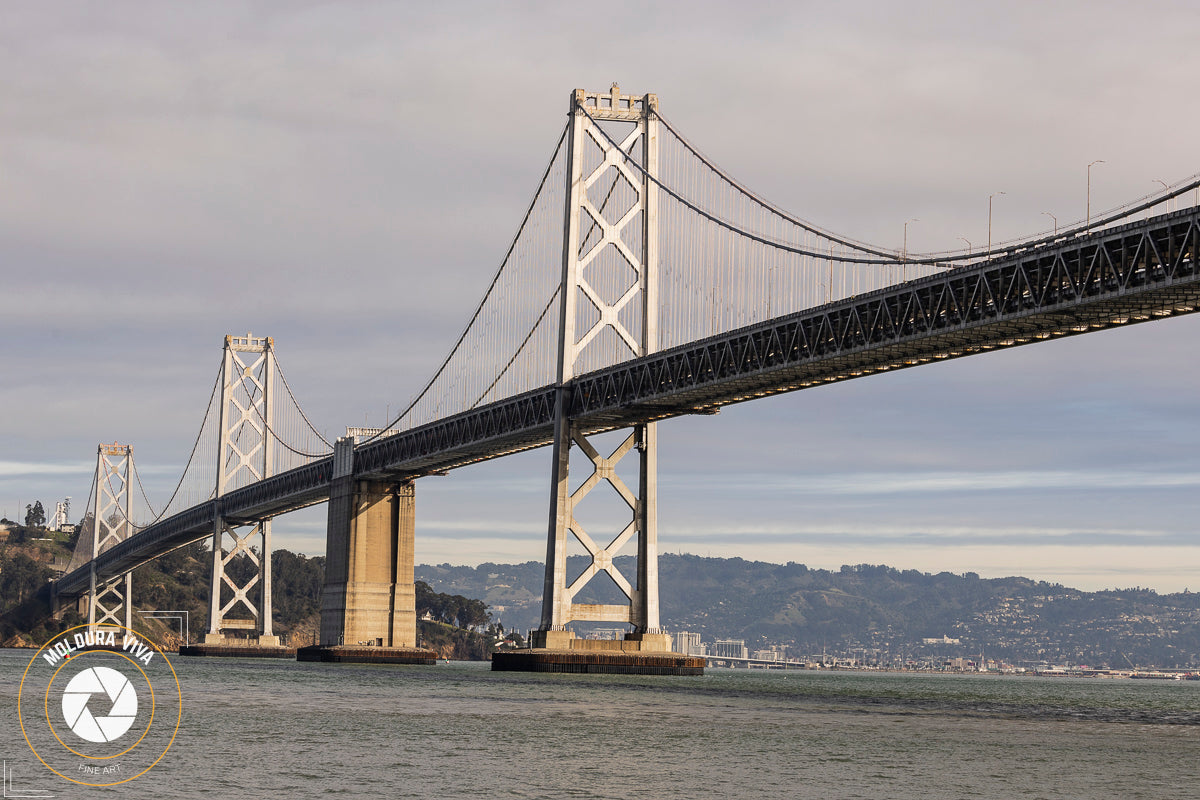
112,692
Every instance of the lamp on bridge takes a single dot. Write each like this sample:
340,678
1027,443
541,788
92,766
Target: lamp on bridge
904,251
990,196
1165,188
1051,216
1088,220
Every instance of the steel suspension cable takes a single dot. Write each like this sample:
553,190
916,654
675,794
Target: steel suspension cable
495,280
267,427
807,226
521,347
195,444
936,260
72,564
296,403
748,234
280,440
149,505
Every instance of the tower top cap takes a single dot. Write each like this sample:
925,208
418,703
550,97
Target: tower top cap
614,105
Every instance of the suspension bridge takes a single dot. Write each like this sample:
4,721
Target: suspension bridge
643,283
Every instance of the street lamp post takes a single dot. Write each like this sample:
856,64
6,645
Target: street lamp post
990,196
1165,188
1088,222
968,241
1051,216
904,251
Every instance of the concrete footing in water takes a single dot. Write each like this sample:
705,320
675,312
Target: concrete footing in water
597,662
366,655
237,651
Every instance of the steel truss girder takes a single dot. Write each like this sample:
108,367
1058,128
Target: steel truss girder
1130,274
500,428
1124,275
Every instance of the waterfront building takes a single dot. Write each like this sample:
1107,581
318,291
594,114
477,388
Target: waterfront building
730,648
688,643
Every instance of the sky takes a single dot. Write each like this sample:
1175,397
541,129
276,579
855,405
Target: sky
345,177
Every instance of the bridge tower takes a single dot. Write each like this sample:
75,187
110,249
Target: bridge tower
609,299
110,602
244,454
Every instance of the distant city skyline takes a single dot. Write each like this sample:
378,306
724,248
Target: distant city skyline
345,179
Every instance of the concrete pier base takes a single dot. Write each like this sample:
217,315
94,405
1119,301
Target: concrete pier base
347,654
231,650
636,654
587,661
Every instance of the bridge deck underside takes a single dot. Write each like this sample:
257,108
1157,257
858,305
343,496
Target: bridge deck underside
1139,272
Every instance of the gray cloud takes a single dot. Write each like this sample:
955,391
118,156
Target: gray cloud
345,177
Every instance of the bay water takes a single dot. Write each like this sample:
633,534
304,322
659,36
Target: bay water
278,728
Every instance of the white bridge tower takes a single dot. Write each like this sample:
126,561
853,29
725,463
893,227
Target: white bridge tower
244,455
609,304
110,602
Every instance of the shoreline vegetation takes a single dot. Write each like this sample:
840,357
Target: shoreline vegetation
454,626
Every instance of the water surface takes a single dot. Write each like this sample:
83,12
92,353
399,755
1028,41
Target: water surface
280,728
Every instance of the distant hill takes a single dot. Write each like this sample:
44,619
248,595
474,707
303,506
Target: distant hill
874,607
865,607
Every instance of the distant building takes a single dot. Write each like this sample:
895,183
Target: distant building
942,640
688,643
607,633
60,520
773,653
730,648
960,664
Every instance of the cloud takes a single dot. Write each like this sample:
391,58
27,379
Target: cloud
28,469
346,178
869,483
922,534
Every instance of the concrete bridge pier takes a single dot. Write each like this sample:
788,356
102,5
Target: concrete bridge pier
368,603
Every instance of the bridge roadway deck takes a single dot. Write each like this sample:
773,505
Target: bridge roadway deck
1137,272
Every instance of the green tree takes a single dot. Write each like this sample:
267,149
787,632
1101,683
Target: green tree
20,578
471,613
35,515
